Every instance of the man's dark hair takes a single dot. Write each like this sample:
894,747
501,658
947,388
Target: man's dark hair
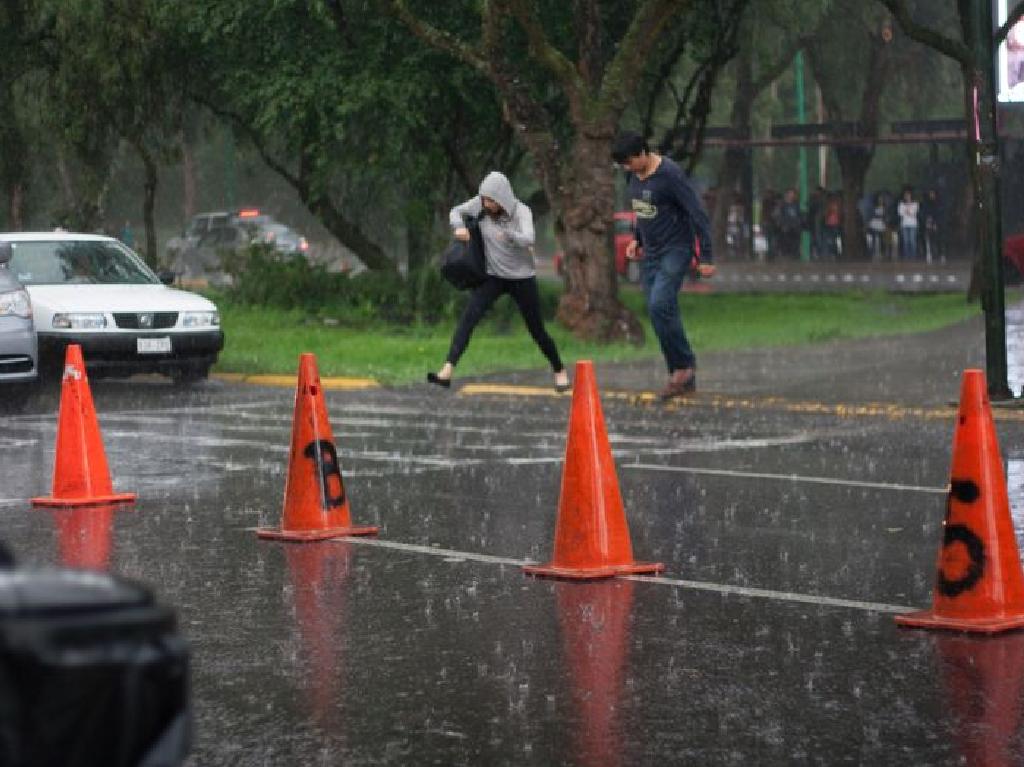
629,144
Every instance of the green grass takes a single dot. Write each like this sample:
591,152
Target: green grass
264,340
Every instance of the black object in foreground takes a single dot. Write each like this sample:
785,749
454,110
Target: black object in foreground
92,672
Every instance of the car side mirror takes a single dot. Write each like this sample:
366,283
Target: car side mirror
6,252
167,277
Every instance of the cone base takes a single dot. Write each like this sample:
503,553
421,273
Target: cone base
310,536
927,619
551,570
95,500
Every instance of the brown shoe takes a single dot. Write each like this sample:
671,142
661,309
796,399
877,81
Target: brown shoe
681,382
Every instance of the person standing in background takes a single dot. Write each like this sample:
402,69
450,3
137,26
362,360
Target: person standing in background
907,209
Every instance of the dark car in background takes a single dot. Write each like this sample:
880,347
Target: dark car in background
283,239
201,251
18,352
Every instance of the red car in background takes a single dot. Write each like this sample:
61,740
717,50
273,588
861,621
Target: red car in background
624,222
1013,255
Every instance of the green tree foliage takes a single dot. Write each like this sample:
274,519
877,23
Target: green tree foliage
565,74
375,132
103,75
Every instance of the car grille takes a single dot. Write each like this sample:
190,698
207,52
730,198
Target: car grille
15,363
137,321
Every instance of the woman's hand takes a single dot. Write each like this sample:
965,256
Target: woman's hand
462,233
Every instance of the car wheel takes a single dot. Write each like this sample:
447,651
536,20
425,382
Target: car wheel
190,374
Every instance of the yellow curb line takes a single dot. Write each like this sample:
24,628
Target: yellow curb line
289,381
515,391
871,409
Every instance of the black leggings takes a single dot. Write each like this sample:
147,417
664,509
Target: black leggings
527,298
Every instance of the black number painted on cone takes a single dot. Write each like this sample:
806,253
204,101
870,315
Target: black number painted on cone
976,553
964,491
325,456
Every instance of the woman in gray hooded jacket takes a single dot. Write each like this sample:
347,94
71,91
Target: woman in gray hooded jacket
507,230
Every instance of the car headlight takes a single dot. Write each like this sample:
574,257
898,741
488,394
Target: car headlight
80,321
16,303
200,320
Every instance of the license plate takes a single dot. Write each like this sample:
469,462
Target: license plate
153,345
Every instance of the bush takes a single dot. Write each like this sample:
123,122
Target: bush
262,278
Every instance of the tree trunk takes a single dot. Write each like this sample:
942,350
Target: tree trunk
16,212
590,306
854,162
188,171
148,204
349,235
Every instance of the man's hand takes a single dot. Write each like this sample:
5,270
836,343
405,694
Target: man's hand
631,250
462,233
706,271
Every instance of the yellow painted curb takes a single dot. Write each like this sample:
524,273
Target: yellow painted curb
289,381
515,391
870,409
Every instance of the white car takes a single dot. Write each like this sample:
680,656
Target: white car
93,291
17,338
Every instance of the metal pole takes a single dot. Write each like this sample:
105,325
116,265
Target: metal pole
984,140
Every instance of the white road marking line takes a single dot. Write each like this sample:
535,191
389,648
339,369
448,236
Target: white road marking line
435,551
780,596
783,596
788,478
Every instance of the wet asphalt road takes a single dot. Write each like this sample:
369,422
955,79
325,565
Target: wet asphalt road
792,530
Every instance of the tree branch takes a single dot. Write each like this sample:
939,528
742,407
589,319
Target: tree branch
954,49
547,54
439,38
626,65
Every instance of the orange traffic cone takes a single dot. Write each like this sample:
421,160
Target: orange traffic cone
80,473
979,586
315,504
591,535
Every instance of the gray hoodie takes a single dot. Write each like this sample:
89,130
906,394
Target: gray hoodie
508,239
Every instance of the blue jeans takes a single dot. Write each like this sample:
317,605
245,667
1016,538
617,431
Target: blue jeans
663,272
909,242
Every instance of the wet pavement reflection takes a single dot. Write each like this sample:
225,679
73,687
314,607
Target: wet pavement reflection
84,535
791,538
983,681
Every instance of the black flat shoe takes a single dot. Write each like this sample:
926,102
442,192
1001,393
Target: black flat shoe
562,388
434,378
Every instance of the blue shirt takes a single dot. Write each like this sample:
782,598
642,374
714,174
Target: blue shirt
668,211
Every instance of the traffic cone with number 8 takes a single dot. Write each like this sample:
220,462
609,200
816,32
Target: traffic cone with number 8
315,503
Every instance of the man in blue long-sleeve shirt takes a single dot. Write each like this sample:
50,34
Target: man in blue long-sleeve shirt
670,219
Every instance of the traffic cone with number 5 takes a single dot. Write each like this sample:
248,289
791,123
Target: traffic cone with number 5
978,584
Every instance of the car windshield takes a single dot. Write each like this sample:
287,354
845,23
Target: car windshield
67,262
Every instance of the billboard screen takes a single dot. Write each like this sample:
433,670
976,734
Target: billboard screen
1010,60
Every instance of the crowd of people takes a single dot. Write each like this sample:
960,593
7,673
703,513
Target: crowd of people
900,227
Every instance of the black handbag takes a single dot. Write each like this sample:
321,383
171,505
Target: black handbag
463,262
